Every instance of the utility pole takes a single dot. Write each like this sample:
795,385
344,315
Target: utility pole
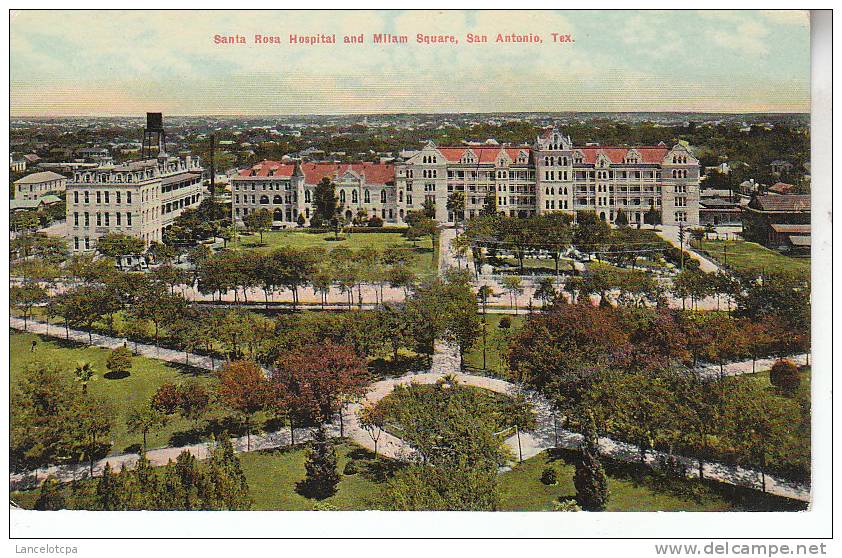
681,240
212,165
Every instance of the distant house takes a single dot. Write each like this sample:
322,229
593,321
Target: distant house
37,184
718,211
16,165
778,220
781,167
781,188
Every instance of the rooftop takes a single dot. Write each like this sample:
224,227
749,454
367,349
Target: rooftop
782,203
39,177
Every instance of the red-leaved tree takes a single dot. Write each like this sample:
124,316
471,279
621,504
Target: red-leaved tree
244,389
314,382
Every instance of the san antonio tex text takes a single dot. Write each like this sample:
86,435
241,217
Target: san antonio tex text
389,39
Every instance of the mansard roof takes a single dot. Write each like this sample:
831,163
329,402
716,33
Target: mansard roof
374,173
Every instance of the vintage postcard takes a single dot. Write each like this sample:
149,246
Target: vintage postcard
394,261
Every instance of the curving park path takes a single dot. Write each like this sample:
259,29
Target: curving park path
548,435
445,361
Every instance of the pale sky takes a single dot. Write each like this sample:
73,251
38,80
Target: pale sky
130,62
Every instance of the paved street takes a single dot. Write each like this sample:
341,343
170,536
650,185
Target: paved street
670,234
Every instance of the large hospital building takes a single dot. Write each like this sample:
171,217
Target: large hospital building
550,175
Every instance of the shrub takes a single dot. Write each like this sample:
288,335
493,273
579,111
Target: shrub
784,375
549,476
351,468
505,322
375,221
566,506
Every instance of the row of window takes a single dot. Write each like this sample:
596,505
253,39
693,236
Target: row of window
551,175
102,194
178,204
179,185
550,204
102,218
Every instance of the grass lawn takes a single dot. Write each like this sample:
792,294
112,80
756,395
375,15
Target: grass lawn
496,341
273,476
751,257
522,490
124,393
425,257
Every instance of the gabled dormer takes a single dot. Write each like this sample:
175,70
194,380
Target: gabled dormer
602,161
578,157
503,159
632,157
468,157
680,155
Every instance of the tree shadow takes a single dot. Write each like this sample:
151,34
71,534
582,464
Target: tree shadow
133,448
380,470
387,368
210,427
311,491
189,369
118,375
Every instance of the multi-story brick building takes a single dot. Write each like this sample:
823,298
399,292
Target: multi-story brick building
286,190
550,175
140,198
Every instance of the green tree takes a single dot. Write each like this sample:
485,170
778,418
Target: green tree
456,205
51,496
85,374
322,476
258,221
25,297
514,286
621,219
117,244
92,423
589,479
143,419
119,362
325,203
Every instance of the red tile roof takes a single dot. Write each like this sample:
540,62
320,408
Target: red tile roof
482,153
374,173
616,155
781,188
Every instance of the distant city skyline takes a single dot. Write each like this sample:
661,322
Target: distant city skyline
112,63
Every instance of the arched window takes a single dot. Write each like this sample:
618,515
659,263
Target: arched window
277,199
342,196
307,196
382,196
367,196
354,197
264,199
